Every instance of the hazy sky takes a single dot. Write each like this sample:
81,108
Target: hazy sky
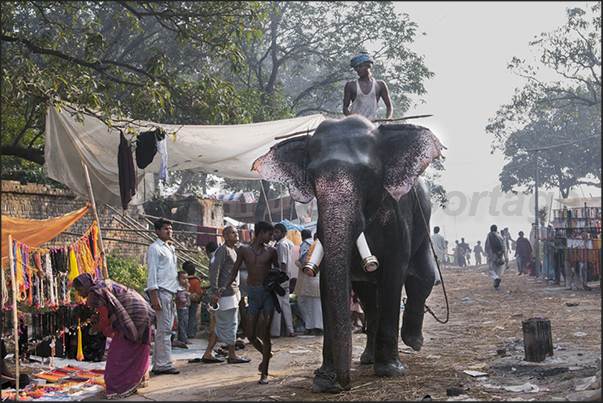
468,46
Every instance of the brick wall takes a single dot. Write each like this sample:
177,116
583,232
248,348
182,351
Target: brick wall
40,202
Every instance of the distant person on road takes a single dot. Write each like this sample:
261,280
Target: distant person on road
478,251
259,257
365,92
523,254
439,246
466,250
495,250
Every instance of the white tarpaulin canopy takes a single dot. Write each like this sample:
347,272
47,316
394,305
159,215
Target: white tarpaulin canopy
222,150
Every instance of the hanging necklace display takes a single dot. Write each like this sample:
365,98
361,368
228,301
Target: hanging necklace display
50,280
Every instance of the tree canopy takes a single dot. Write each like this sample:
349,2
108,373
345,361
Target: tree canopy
305,50
140,60
191,62
558,120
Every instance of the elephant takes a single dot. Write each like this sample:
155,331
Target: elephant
365,179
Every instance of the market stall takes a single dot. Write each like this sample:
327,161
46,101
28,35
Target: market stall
40,280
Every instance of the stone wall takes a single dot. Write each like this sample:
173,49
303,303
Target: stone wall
186,214
39,202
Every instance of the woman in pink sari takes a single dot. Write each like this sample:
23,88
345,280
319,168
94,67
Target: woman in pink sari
126,317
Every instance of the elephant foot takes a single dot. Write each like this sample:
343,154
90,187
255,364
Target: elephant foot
412,331
326,383
366,357
414,341
395,368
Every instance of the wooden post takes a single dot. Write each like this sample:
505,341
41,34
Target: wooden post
281,197
15,316
537,339
100,238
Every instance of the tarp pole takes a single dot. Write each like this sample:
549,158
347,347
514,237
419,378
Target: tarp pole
16,333
281,197
267,201
100,238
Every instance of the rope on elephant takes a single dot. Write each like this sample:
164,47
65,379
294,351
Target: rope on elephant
427,309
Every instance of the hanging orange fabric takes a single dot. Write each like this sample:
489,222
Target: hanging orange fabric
35,233
80,351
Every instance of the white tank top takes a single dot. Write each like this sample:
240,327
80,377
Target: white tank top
365,104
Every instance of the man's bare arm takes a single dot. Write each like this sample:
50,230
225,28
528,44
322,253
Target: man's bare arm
275,259
384,93
347,98
233,274
155,301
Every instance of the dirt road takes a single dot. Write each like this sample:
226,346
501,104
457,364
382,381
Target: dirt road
481,322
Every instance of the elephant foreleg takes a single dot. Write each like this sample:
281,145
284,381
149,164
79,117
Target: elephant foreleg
325,379
383,320
368,292
418,286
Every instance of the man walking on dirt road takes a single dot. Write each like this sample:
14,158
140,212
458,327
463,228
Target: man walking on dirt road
259,257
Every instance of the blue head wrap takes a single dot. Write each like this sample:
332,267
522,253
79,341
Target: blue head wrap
360,59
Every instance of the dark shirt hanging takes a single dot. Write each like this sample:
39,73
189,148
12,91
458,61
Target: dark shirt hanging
146,146
127,174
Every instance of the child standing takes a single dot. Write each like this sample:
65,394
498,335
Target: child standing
183,302
195,296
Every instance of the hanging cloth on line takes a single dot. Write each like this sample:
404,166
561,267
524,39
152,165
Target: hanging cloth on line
36,233
146,146
127,174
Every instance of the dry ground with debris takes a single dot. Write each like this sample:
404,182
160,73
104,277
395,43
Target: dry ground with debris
489,321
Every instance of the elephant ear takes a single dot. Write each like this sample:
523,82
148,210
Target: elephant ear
286,163
407,150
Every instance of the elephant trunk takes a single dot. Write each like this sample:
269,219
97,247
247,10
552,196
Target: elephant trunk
340,226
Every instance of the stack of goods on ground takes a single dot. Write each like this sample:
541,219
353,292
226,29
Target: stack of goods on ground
67,383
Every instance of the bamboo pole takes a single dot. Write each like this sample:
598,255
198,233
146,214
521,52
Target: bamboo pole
281,203
15,316
189,257
405,118
153,232
130,222
127,241
174,221
100,238
267,201
286,136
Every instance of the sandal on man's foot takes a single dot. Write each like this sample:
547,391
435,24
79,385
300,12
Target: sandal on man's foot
211,360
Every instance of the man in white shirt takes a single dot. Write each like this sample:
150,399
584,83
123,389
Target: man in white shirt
284,248
162,283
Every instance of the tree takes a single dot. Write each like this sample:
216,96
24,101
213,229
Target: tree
563,162
301,63
306,49
141,60
565,112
